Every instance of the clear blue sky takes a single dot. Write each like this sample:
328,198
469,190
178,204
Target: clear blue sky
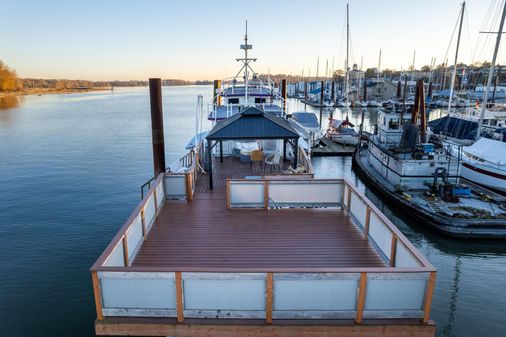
106,40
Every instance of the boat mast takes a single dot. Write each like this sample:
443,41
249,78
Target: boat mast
347,50
491,71
378,76
454,73
246,61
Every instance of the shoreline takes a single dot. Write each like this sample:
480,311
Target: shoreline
49,91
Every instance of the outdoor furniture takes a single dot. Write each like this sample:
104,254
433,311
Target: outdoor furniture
256,156
272,161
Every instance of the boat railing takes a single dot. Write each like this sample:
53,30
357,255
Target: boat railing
403,288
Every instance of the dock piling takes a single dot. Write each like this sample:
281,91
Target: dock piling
155,95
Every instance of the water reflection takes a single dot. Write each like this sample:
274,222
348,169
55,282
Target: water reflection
7,104
10,101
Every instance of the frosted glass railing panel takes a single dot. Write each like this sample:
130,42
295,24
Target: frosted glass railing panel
160,193
403,293
134,237
224,295
380,234
175,186
116,258
315,295
358,209
138,294
403,258
149,211
304,193
247,194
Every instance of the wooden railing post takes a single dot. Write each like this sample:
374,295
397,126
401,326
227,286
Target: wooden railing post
98,295
393,250
269,298
348,200
179,297
188,184
156,201
125,251
228,194
428,297
266,194
144,228
367,222
362,289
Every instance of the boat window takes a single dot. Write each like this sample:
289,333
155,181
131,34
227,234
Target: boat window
393,123
233,101
493,122
259,100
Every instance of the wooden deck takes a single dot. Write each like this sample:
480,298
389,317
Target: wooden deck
233,168
205,234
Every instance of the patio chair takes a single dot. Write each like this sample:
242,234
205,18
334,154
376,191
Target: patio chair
256,156
272,161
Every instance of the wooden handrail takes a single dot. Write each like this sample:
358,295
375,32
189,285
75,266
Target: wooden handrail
390,226
122,231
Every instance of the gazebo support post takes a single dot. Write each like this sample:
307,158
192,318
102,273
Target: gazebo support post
284,151
210,163
295,153
221,151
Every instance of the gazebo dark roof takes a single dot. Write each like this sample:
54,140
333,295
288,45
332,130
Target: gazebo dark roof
253,123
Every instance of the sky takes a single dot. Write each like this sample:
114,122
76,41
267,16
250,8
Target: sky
190,39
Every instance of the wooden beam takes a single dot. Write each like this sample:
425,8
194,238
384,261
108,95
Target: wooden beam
362,289
125,251
266,194
236,328
367,222
98,295
428,297
268,298
179,297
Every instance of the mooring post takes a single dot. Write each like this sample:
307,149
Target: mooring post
155,96
216,97
284,93
322,92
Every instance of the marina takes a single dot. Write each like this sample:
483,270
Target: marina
348,199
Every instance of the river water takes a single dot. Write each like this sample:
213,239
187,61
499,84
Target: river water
71,167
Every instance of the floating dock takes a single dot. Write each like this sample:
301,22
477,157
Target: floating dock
326,147
315,104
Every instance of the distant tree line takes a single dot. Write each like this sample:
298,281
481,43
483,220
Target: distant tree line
8,78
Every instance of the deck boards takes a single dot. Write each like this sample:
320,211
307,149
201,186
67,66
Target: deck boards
205,234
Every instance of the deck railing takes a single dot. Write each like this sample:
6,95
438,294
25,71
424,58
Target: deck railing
402,289
304,160
181,176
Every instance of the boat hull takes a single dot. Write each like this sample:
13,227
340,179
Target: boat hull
484,176
453,227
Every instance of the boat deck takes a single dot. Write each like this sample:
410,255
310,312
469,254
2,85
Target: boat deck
205,234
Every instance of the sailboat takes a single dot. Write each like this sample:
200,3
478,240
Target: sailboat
484,162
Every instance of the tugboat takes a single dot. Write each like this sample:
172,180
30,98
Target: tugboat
424,180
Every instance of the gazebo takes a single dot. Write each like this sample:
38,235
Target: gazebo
251,124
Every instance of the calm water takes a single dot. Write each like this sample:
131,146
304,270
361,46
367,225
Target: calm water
70,171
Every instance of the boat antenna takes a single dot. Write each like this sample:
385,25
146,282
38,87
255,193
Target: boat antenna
491,70
246,61
454,73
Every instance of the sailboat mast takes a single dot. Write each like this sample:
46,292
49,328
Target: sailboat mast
491,71
454,73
